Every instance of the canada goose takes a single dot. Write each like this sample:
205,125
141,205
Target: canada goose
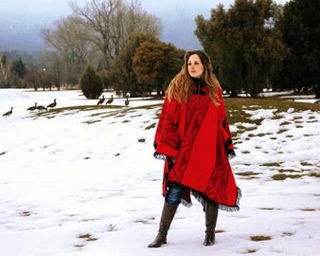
40,108
126,102
53,104
33,107
8,113
101,100
109,101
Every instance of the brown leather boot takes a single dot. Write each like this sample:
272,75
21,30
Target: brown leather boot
168,213
211,221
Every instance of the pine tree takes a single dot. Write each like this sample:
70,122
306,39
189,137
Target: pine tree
300,25
155,64
18,68
90,83
125,78
245,47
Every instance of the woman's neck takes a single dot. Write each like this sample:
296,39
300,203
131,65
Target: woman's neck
199,81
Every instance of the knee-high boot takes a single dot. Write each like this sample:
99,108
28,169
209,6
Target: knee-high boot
168,213
211,221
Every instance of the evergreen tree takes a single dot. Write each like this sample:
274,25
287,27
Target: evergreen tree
124,77
245,47
155,64
90,83
18,68
300,25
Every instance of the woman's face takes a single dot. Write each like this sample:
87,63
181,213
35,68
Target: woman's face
195,67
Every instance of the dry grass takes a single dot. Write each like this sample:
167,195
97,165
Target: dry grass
287,234
87,237
248,173
269,209
308,209
25,214
251,251
260,238
275,164
266,103
153,125
290,171
285,176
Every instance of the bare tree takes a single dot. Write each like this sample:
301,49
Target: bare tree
70,38
111,21
5,66
32,78
54,65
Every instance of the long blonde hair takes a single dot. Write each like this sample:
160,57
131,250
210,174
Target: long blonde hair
180,87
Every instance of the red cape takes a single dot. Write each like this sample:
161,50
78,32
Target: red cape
196,134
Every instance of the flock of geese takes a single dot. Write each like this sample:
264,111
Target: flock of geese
33,108
54,104
109,101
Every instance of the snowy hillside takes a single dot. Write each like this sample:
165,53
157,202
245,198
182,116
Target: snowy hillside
83,181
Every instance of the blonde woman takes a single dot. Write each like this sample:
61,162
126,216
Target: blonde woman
194,139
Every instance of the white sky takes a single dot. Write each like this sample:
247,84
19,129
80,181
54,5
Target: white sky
56,8
22,15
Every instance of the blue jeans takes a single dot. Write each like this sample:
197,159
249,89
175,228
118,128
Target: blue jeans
173,196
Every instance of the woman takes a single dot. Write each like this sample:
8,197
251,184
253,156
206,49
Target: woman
194,139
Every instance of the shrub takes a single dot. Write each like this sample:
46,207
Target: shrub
90,83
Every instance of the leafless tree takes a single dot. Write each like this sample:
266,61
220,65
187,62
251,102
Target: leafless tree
70,38
111,21
5,66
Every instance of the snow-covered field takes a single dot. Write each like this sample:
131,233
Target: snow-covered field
85,183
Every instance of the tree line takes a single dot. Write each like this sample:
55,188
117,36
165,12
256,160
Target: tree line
254,44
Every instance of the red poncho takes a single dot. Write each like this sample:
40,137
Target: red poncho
196,134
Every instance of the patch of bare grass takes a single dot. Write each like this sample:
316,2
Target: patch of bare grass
285,123
251,251
91,121
153,125
144,221
283,176
313,121
273,164
314,174
290,171
260,238
282,131
269,209
88,237
25,214
283,234
246,174
307,209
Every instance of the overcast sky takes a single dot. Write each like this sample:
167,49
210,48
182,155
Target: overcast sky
60,8
18,17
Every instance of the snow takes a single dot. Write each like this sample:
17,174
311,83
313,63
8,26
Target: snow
301,98
77,173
